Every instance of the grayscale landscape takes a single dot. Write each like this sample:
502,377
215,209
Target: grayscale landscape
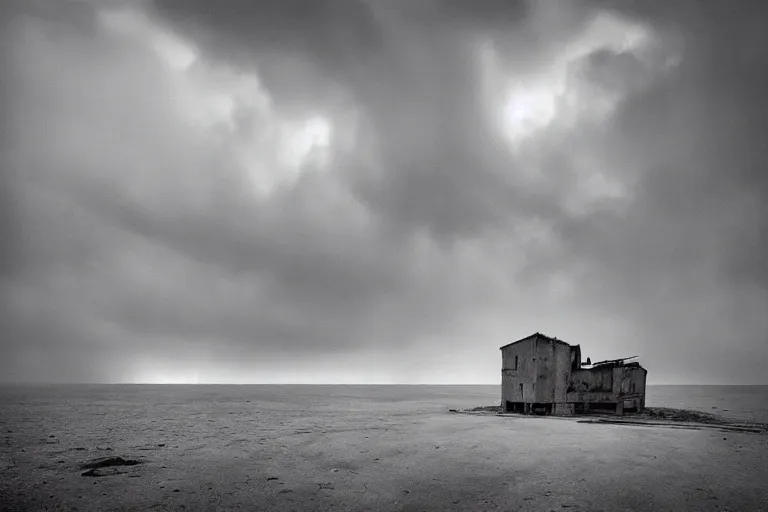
374,255
360,448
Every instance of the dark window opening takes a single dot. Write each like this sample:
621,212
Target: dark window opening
541,409
516,407
515,362
630,406
602,406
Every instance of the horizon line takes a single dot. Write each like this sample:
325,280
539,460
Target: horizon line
301,384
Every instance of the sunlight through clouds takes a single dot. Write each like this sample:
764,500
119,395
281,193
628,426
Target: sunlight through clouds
575,91
531,102
528,109
177,54
229,107
304,140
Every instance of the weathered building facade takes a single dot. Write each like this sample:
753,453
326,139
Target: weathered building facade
545,375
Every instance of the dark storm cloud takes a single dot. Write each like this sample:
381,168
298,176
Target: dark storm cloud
112,222
682,261
415,75
414,71
329,40
140,246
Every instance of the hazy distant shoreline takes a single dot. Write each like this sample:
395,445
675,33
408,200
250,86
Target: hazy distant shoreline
734,401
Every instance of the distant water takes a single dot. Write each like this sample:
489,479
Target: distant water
748,403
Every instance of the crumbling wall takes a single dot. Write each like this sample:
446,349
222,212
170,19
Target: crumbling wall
561,372
631,387
544,387
541,373
620,385
536,370
593,380
518,372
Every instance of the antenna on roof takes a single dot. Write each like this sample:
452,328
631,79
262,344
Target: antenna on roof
615,361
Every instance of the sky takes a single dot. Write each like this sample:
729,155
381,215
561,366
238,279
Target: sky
365,191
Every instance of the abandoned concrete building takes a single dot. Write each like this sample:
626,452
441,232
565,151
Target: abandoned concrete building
543,375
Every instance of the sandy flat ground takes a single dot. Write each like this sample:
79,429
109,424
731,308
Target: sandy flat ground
249,456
